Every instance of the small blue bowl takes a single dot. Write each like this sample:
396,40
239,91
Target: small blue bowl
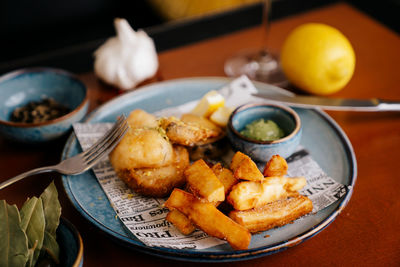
34,84
286,118
70,243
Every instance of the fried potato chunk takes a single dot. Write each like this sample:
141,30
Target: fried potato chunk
209,219
225,176
181,222
275,214
191,130
276,166
159,181
249,194
202,182
244,168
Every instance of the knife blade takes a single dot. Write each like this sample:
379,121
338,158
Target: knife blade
340,104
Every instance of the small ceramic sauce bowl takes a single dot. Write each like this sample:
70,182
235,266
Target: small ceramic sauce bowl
20,87
286,118
70,243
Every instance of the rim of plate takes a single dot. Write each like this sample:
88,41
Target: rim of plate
217,256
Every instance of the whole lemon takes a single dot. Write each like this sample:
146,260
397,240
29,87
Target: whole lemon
318,58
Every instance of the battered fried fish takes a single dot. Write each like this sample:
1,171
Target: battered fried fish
139,118
143,146
159,181
149,159
190,130
146,160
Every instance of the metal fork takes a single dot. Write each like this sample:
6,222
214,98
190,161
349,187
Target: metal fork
83,161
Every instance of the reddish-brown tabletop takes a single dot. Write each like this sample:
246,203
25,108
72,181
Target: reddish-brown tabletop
366,233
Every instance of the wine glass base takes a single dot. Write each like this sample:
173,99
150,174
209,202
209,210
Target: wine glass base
258,65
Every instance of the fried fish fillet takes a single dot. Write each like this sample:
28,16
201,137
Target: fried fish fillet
139,118
143,146
159,181
275,214
190,130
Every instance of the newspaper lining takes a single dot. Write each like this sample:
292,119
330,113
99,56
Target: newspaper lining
145,217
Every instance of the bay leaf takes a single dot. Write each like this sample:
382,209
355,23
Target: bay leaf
31,253
14,242
52,213
33,223
50,246
52,209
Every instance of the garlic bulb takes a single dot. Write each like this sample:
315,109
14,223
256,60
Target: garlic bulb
127,59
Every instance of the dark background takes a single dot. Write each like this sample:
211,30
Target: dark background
61,33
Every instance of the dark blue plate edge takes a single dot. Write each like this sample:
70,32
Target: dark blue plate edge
202,256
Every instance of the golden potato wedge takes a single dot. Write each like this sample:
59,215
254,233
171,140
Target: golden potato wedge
209,219
245,195
275,214
244,168
225,176
248,170
249,194
276,166
236,159
180,221
202,182
294,183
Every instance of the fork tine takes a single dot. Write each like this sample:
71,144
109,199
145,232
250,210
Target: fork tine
107,147
121,120
100,148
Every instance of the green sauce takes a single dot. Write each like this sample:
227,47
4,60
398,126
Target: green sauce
263,130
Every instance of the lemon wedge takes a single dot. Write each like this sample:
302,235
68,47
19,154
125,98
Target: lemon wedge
221,116
209,103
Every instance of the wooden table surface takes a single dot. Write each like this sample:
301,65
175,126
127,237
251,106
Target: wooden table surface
366,233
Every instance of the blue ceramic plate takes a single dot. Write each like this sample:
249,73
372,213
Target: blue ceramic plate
326,142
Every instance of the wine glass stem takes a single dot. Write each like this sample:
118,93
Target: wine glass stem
265,23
